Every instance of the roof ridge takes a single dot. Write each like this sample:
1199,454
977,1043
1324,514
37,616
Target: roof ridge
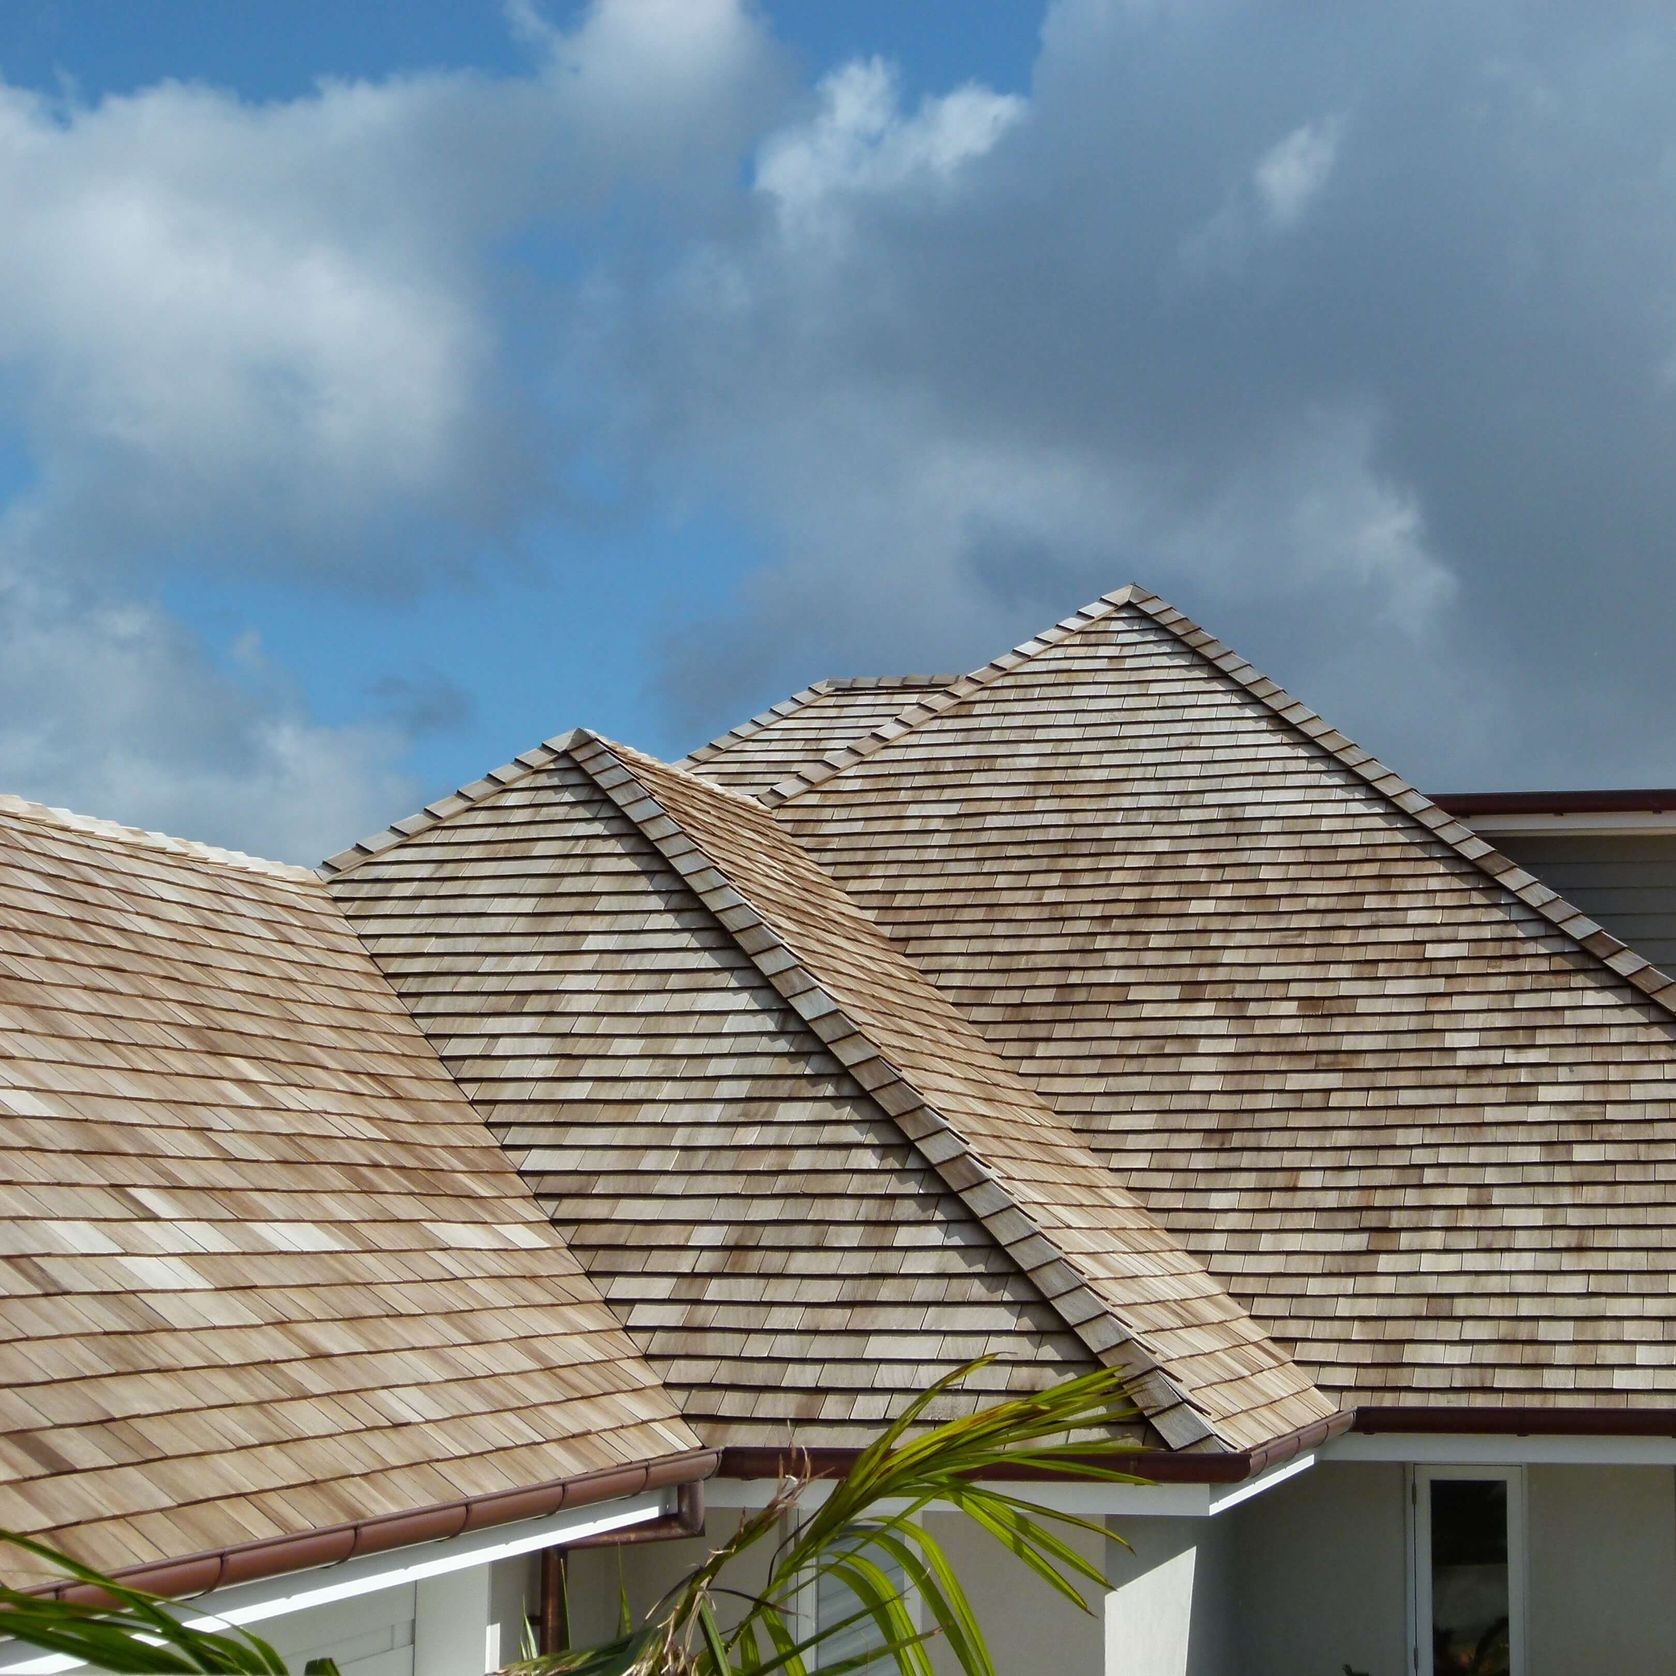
849,683
1051,1263
923,709
763,719
724,742
186,849
1657,985
433,814
854,1049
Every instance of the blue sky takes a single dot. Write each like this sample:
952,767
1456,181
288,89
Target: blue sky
385,387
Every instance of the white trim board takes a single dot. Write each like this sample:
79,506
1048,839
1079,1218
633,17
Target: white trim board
1591,823
1483,1449
297,1591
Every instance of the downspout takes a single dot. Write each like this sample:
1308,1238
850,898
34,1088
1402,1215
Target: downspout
686,1520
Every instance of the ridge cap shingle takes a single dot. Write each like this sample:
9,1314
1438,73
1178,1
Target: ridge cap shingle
922,709
188,849
1621,960
1082,1301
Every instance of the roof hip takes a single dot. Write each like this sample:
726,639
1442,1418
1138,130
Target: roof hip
1588,934
992,1142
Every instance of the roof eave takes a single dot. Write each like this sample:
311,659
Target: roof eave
1155,1466
249,1562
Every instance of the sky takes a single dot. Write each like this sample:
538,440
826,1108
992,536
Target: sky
385,388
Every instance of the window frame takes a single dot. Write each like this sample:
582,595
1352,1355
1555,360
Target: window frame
1420,1480
809,1609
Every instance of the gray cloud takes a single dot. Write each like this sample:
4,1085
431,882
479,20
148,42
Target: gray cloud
112,708
422,701
1353,329
1350,328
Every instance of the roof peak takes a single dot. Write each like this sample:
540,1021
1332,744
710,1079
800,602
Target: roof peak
952,693
1080,1238
188,849
1634,969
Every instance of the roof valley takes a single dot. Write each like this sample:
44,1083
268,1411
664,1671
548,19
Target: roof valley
1073,1256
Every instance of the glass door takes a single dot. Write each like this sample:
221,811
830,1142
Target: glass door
1468,1571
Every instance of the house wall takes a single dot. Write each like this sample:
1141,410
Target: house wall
1169,1612
595,1577
368,1635
1625,880
1302,1580
1318,1568
1318,1572
461,1623
1602,1569
1029,1628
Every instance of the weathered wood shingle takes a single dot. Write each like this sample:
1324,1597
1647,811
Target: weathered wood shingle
804,1204
761,1224
1413,1110
262,1268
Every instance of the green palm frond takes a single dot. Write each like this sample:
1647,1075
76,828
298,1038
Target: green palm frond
867,1538
870,1525
135,1633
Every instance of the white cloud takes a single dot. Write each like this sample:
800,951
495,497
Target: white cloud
1292,174
279,337
113,709
1322,323
279,331
860,141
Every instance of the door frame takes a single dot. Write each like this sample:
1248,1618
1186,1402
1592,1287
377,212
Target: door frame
1420,1480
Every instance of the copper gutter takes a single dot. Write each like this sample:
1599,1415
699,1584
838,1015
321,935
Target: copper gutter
1469,803
1506,1420
1155,1466
248,1562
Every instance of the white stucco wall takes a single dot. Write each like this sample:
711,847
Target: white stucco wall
1602,1570
1168,1610
1030,1629
1319,1574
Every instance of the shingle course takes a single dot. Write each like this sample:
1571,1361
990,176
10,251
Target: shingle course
261,1265
1293,1005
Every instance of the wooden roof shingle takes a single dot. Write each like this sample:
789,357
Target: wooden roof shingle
531,877
1407,1105
262,1268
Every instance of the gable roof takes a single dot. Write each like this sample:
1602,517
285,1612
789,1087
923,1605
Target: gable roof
266,1273
1399,1097
1202,1374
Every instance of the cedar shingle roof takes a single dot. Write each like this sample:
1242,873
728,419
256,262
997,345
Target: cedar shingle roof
263,1269
804,727
754,1217
621,873
1409,1107
1100,1005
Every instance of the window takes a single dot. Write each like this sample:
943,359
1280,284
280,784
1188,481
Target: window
1468,1572
834,1602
